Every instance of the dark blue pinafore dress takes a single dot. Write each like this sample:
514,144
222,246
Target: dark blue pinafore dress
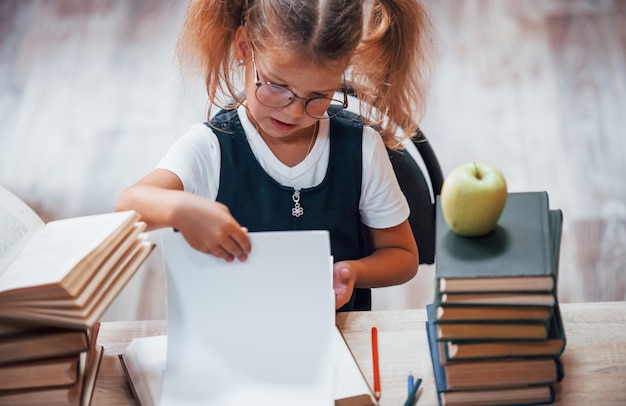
260,203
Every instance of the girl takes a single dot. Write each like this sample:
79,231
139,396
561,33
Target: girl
287,156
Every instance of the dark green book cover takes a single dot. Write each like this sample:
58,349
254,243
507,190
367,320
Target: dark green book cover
518,255
556,231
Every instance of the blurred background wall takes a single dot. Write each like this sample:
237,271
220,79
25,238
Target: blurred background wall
91,97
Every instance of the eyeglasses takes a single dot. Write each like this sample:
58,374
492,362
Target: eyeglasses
278,96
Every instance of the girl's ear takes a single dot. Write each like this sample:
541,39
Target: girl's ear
242,46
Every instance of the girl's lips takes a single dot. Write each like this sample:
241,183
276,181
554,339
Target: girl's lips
280,125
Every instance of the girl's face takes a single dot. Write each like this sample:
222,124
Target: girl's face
305,80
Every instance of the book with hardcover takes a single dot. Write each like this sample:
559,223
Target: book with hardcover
495,306
79,392
517,256
143,363
527,395
541,314
41,343
553,346
493,373
66,272
39,374
494,299
506,382
459,331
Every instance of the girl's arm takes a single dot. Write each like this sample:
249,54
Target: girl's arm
207,225
394,260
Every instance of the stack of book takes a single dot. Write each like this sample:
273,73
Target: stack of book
52,365
56,281
494,328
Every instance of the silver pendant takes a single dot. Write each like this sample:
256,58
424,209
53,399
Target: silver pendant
297,210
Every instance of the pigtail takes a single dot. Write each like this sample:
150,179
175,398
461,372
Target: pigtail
391,67
205,44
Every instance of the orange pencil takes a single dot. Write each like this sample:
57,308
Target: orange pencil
375,359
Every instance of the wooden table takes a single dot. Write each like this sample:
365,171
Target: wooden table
594,360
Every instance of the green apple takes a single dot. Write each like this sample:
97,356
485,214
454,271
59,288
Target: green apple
473,196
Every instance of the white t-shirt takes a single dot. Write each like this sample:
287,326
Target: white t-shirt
195,159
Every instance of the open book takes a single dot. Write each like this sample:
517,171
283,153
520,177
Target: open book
66,272
260,331
56,281
144,361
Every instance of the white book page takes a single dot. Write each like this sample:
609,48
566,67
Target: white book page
349,380
257,332
145,360
18,224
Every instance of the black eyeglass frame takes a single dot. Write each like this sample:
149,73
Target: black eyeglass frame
329,112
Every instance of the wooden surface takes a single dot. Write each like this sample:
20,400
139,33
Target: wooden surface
91,98
111,387
594,361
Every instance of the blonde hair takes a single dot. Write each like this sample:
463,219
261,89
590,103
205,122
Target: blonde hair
387,45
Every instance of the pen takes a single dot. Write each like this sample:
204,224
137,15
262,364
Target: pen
410,383
375,361
410,401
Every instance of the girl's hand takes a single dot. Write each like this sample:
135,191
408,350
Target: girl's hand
343,283
209,227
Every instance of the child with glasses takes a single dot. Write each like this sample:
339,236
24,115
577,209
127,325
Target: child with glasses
286,155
